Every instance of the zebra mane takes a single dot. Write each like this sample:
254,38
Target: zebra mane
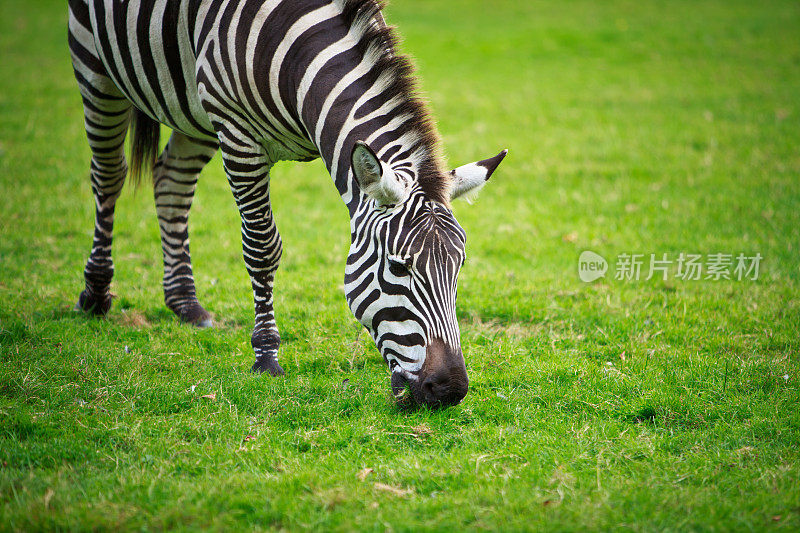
403,86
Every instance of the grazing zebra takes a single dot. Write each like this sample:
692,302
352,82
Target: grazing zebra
266,81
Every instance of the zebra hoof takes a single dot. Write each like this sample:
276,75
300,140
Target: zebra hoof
268,365
205,323
195,315
93,305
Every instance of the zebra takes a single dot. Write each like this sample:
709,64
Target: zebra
264,81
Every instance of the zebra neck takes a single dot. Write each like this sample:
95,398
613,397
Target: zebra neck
356,87
340,111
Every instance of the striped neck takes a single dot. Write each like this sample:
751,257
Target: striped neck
358,88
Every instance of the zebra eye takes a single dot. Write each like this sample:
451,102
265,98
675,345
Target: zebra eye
398,267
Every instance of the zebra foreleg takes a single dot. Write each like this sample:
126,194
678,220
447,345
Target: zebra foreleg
106,115
248,174
174,180
106,126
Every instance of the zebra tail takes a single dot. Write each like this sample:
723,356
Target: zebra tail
145,134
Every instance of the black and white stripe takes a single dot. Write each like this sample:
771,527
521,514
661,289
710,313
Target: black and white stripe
272,80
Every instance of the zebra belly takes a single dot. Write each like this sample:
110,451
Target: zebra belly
146,48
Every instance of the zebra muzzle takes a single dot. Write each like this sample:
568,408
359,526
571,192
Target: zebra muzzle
442,380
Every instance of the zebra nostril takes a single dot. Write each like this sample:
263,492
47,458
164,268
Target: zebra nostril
444,388
428,390
443,379
436,384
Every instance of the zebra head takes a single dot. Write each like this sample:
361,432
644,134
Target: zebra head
402,271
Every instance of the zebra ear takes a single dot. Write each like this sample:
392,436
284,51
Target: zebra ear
376,179
469,179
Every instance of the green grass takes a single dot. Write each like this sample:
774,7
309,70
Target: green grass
632,127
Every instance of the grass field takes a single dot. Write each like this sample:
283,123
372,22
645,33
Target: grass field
633,127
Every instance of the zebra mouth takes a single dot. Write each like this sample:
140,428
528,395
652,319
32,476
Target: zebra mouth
401,390
410,394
